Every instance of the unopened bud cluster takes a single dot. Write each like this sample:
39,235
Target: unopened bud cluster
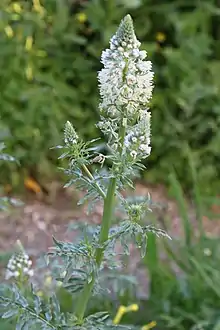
126,89
19,265
70,135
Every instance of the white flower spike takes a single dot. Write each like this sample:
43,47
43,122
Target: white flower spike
70,135
126,84
19,265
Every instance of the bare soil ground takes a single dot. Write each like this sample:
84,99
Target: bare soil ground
40,218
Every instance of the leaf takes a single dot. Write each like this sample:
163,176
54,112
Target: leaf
131,3
7,158
10,313
58,243
186,223
205,276
37,304
22,301
157,231
61,18
75,286
20,325
99,316
56,306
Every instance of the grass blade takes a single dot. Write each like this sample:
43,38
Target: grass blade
182,206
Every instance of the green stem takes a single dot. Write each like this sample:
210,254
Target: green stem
106,221
105,226
83,300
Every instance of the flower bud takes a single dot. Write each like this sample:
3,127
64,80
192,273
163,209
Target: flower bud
70,135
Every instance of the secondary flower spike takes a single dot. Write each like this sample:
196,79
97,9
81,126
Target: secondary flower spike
70,135
126,84
19,265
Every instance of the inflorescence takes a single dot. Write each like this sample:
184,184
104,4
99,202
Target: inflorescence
126,89
19,265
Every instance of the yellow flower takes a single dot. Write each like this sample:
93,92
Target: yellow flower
123,310
132,308
81,17
160,37
16,7
149,326
8,31
38,7
29,43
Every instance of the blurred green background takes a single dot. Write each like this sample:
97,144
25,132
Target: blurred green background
50,55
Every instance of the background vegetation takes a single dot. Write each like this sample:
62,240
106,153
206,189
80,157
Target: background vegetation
50,53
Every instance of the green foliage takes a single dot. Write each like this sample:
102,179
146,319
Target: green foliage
46,81
183,287
5,202
35,313
186,100
55,78
189,297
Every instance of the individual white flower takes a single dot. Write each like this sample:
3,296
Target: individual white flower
130,79
133,154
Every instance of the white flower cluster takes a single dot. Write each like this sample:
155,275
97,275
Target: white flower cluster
138,138
126,89
19,265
